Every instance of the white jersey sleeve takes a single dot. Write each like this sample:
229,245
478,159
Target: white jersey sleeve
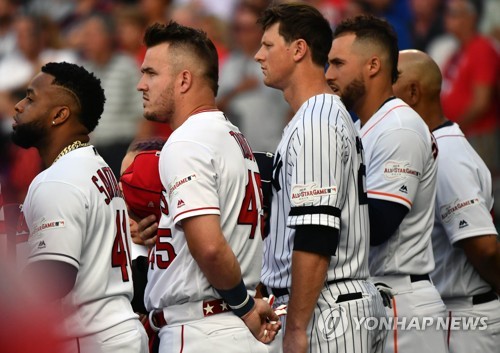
192,185
463,203
396,166
57,231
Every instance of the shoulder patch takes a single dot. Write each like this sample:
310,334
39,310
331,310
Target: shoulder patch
177,183
307,193
43,224
448,211
399,170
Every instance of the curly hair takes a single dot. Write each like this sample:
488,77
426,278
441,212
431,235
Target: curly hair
85,87
375,30
301,21
151,144
193,40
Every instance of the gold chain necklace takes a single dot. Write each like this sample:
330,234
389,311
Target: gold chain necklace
75,145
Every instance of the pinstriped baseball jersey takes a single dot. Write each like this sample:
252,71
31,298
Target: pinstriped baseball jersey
206,167
463,203
318,180
401,167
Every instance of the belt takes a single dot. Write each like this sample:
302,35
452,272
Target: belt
208,308
279,292
416,278
484,297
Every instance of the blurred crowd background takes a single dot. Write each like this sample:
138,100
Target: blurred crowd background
106,37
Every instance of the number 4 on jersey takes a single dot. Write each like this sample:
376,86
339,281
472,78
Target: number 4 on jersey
249,212
119,254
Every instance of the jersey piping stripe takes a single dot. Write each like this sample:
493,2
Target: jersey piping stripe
53,253
182,339
383,116
449,330
391,195
305,210
437,138
22,238
196,209
395,325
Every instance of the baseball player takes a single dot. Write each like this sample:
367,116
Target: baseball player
464,236
400,175
316,255
205,265
79,237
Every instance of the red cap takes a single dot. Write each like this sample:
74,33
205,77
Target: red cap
141,185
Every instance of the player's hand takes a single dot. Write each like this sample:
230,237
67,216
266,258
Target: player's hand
386,293
295,341
147,229
262,321
134,232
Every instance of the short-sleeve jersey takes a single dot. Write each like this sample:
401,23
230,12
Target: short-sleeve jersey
206,168
318,180
401,168
463,203
76,214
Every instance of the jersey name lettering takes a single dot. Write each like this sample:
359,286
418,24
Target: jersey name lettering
109,185
243,143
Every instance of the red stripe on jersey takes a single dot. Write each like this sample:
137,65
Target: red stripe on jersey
391,195
395,325
23,238
383,116
196,209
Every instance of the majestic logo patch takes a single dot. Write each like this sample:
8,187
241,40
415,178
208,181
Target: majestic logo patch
307,193
44,225
447,212
399,170
41,244
180,203
179,182
403,189
463,223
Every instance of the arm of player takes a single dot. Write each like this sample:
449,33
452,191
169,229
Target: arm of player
50,279
483,252
308,278
219,264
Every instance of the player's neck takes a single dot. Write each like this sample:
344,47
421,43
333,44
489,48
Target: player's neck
52,150
297,93
372,101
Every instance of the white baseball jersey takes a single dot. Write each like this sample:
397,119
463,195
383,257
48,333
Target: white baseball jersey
401,167
463,203
318,180
75,213
206,167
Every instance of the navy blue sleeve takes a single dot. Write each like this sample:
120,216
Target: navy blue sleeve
385,218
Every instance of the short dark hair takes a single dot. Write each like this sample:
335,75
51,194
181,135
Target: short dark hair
301,21
373,29
150,144
84,85
194,40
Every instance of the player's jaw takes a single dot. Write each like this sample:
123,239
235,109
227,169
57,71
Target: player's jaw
351,93
26,135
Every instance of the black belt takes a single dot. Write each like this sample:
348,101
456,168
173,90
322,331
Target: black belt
416,278
484,297
279,292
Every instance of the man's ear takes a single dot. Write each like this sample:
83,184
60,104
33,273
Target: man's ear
374,65
60,115
415,93
185,80
299,48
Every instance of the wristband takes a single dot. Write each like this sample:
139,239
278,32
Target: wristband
238,299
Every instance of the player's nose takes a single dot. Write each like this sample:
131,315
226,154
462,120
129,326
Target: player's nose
258,56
